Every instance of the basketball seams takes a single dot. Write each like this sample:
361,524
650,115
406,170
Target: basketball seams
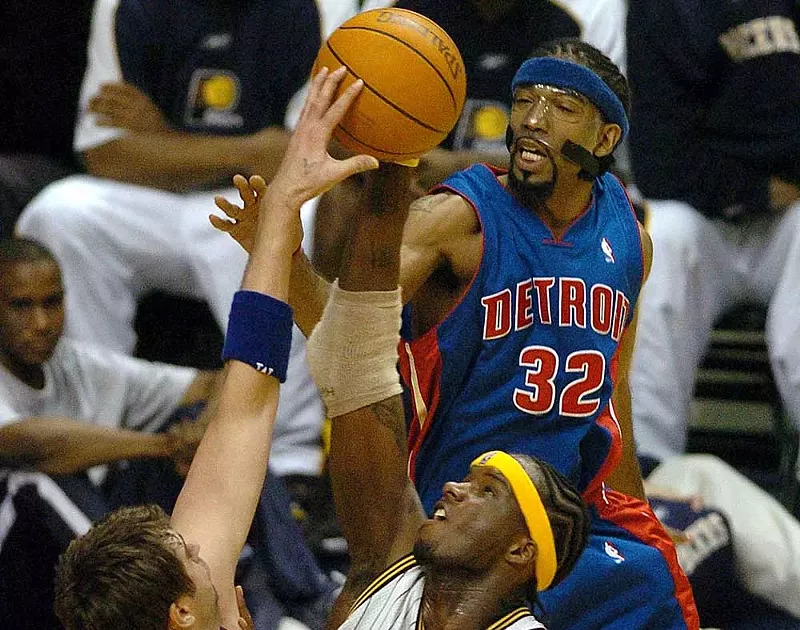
445,82
383,98
369,146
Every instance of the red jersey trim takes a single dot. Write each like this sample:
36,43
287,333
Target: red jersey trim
635,516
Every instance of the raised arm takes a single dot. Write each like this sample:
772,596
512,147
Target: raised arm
433,237
353,354
218,500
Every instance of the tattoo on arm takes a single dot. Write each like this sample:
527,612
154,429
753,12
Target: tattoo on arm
389,413
425,204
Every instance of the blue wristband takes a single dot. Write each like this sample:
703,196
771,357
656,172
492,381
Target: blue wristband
259,333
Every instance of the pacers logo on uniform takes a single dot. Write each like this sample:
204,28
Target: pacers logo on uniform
213,98
482,126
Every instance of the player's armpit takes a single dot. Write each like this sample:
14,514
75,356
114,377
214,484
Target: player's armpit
434,234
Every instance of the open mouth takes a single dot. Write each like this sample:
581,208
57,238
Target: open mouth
439,513
531,154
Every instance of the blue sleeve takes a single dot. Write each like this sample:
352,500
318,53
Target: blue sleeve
673,67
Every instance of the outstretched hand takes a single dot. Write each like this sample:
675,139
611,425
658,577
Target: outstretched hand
241,223
307,169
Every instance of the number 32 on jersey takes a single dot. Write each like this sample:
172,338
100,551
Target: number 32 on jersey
581,396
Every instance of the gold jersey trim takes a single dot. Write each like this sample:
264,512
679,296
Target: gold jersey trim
401,566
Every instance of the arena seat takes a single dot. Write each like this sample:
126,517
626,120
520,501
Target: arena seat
741,417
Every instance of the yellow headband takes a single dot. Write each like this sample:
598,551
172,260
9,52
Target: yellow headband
530,503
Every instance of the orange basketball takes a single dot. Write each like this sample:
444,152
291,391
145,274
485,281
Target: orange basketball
414,83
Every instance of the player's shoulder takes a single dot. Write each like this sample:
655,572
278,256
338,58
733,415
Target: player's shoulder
438,201
445,209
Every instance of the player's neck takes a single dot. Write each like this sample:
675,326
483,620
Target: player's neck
565,204
463,601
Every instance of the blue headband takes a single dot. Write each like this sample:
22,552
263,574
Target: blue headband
572,76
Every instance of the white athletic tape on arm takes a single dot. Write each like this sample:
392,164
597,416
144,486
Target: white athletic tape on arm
352,351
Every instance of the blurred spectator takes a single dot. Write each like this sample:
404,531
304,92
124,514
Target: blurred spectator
65,408
177,96
715,148
494,37
742,553
42,58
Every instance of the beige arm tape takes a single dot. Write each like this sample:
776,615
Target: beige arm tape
352,351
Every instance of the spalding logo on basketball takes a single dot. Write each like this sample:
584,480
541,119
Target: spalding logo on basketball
414,83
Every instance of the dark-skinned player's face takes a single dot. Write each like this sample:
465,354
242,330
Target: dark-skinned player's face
31,311
473,525
543,118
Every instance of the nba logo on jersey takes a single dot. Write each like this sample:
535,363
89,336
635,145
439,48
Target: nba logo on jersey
614,553
607,251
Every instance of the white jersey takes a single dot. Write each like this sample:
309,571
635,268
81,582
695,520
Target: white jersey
392,602
98,386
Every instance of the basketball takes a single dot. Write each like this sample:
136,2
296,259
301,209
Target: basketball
414,83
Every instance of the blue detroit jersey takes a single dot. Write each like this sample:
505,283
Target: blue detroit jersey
218,67
526,361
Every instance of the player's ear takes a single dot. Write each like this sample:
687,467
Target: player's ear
608,139
181,616
522,551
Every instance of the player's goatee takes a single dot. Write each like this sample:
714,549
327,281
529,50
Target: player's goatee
533,196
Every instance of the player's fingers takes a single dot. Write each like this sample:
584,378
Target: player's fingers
330,86
313,93
245,192
337,111
221,224
232,210
356,164
258,185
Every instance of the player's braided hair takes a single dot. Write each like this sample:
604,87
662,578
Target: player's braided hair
578,51
568,514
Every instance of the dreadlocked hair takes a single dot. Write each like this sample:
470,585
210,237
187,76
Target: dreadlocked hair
578,51
568,513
